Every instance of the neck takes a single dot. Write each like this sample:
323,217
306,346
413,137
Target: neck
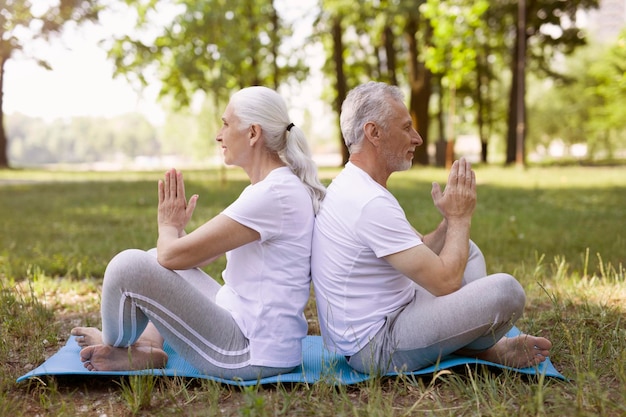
261,166
372,166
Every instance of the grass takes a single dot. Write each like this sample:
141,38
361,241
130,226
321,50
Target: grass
558,230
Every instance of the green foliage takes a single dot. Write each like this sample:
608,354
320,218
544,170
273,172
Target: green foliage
453,51
467,44
521,215
26,320
212,46
21,22
365,29
79,140
66,227
192,134
581,109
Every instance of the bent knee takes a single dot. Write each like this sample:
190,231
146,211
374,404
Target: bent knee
127,263
510,294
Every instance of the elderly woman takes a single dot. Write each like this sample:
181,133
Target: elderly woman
252,326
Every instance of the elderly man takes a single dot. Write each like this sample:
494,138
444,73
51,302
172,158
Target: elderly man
389,297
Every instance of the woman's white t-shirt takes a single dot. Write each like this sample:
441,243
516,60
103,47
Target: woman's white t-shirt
267,282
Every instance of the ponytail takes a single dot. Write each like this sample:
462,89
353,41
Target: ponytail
297,156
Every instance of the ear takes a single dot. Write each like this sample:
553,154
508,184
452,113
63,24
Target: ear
372,133
254,134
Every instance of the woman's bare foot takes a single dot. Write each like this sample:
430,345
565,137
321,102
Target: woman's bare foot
518,352
87,336
109,358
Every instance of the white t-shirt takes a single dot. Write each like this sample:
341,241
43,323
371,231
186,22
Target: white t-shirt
359,223
267,282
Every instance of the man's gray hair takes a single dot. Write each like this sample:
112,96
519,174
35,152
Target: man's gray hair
368,102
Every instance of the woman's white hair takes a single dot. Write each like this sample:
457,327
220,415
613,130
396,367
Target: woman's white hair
265,107
368,102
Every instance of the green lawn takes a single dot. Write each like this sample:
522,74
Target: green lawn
558,230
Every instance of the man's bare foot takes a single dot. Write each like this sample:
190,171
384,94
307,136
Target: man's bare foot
519,351
109,358
87,336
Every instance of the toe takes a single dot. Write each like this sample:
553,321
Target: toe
85,354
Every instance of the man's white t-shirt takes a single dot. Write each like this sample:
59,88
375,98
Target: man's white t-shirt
359,223
267,282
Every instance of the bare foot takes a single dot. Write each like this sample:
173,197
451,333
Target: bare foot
87,336
108,358
520,351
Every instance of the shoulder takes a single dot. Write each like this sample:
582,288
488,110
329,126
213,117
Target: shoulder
356,187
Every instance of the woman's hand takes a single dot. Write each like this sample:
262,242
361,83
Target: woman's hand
174,212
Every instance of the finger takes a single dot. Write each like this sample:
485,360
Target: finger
173,183
454,173
469,172
462,169
191,206
161,191
166,185
436,191
180,189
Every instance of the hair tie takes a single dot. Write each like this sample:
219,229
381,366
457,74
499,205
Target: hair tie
290,126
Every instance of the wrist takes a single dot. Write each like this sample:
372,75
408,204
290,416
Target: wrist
454,222
168,231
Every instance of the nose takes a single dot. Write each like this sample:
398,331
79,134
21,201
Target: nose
417,138
218,138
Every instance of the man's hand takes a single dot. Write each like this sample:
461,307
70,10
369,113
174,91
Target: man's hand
458,201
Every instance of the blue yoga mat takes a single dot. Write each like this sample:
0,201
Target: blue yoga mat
318,364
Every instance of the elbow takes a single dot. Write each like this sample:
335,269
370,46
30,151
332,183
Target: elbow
165,262
447,287
167,259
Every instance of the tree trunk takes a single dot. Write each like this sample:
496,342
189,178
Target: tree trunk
253,51
390,53
516,135
441,145
275,41
341,86
4,143
512,112
481,83
419,81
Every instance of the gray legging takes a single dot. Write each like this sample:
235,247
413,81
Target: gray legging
429,327
181,305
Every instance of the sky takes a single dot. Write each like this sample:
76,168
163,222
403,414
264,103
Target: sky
81,81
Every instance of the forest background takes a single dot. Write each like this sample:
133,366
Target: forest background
500,81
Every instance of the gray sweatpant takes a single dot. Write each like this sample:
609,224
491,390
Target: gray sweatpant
429,327
181,305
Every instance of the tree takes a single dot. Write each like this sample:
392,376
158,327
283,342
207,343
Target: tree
333,19
81,139
211,46
548,28
453,53
585,107
417,33
20,24
379,40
